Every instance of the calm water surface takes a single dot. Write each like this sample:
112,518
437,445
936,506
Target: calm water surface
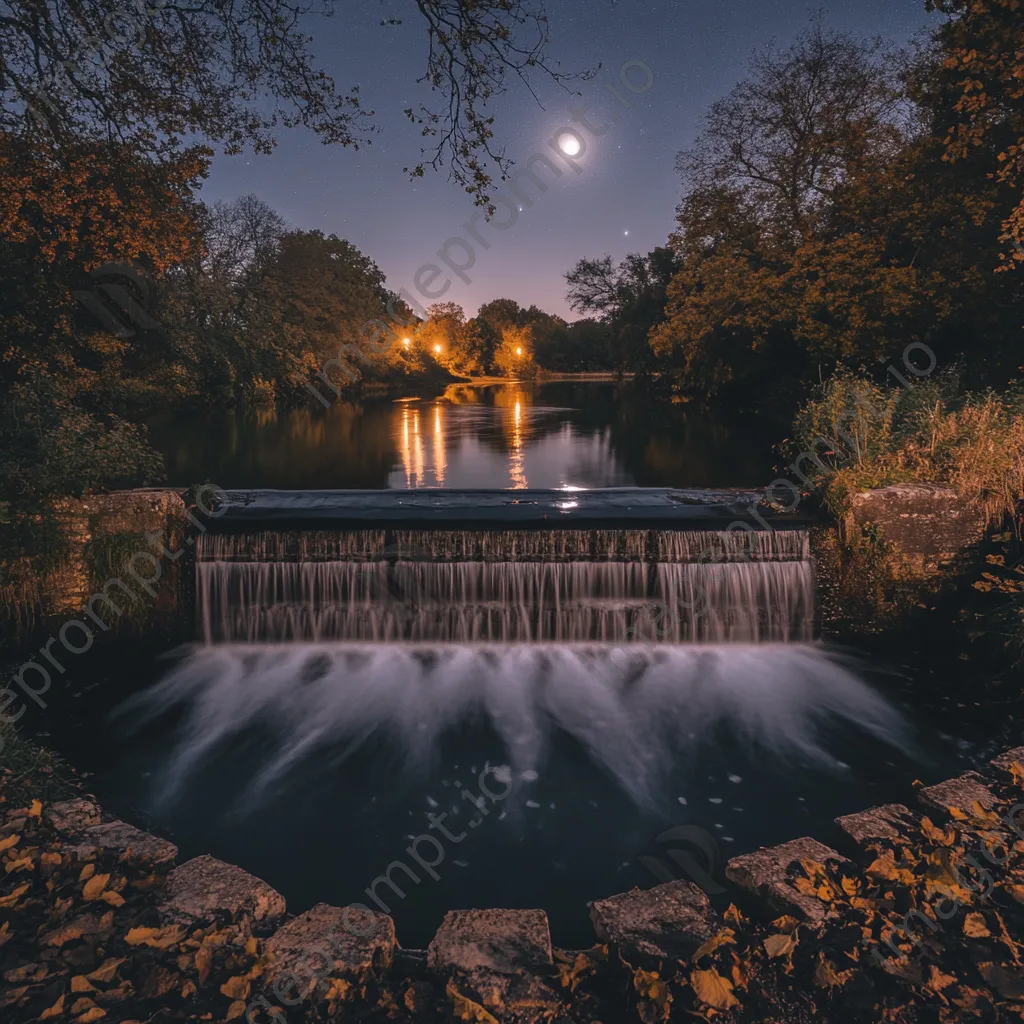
514,435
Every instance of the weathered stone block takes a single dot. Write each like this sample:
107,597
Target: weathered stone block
924,519
960,793
126,840
343,943
645,926
499,960
767,873
495,940
71,816
204,887
889,821
1003,762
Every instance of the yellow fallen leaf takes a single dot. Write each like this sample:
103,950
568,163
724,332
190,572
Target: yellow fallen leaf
236,1009
21,864
236,988
780,945
466,1009
36,810
95,885
54,1011
719,939
81,983
937,981
12,898
338,990
6,844
204,958
826,976
975,927
158,938
252,945
49,861
115,899
5,932
188,990
105,973
711,988
96,1013
87,872
81,1005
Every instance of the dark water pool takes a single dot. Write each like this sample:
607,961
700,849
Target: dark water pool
562,433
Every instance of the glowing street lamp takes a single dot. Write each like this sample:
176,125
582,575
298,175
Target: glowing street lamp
437,349
519,350
406,342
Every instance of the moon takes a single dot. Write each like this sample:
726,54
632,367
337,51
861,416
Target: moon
569,144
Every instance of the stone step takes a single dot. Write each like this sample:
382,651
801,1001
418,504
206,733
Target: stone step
1003,762
766,873
650,927
207,889
317,956
960,793
497,962
126,840
890,822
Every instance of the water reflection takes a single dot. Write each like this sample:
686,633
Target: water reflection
555,434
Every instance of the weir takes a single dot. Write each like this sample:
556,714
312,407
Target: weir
514,578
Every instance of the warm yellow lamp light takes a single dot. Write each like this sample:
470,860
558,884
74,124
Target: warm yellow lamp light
519,350
406,342
437,349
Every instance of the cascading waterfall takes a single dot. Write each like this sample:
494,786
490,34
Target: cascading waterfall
507,587
637,644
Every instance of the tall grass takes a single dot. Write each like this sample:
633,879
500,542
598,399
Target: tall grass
867,435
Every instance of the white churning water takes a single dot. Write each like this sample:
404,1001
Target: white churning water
634,709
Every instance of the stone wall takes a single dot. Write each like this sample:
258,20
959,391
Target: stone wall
98,536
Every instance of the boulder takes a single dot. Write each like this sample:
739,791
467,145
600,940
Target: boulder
651,926
205,888
923,519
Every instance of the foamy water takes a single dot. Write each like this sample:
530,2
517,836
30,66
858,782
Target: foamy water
636,710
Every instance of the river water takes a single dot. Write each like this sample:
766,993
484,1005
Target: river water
556,434
439,722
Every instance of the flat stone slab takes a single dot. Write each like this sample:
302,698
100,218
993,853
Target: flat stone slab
1003,762
924,519
329,942
127,841
499,941
71,816
666,923
766,873
486,509
204,887
890,821
960,793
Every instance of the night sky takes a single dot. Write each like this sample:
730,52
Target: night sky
696,49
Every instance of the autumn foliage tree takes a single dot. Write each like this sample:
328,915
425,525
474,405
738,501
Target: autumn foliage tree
823,223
